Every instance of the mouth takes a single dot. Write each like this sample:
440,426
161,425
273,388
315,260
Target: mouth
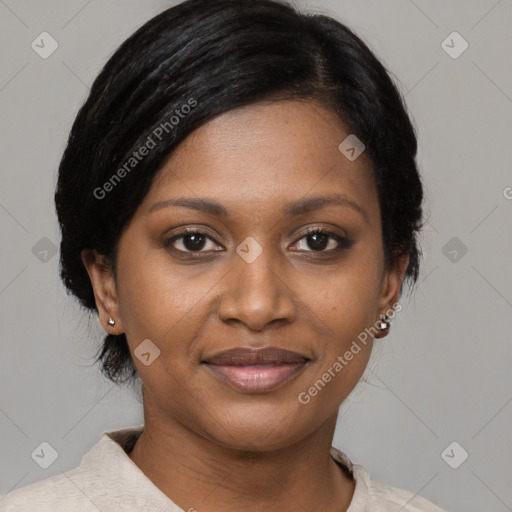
256,370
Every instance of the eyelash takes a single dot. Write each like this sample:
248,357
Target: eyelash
343,243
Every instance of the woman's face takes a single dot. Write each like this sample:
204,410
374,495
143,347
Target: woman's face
253,277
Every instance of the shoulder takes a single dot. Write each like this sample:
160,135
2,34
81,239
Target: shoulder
386,498
54,494
106,477
370,495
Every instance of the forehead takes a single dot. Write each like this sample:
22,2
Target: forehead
264,155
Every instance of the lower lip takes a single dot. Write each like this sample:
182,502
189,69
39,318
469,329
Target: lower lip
257,378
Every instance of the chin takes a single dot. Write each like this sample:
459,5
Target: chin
256,428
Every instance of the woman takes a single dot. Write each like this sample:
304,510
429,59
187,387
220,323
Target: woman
239,202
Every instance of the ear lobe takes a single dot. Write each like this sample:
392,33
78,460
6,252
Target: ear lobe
104,288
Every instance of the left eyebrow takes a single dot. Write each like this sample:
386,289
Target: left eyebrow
300,207
311,204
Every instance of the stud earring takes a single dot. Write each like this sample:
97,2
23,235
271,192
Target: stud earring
384,325
111,322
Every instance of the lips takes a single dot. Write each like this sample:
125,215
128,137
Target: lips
255,370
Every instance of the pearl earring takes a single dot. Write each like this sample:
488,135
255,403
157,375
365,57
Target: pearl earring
111,322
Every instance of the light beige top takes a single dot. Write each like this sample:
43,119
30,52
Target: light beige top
107,480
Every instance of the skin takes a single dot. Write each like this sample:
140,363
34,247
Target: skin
205,444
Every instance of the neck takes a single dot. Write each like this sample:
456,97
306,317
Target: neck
199,474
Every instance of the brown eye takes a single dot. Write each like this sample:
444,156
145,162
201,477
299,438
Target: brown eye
190,241
320,240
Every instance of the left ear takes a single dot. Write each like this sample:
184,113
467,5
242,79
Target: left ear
392,282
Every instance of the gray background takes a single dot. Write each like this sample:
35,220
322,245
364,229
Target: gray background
443,375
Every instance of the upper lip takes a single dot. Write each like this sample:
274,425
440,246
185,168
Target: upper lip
243,356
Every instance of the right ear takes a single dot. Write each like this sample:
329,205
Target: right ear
104,287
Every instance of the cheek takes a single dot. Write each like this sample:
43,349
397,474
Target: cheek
141,303
345,309
343,314
165,304
156,305
350,295
150,297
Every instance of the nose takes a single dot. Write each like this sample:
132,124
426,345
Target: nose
257,293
